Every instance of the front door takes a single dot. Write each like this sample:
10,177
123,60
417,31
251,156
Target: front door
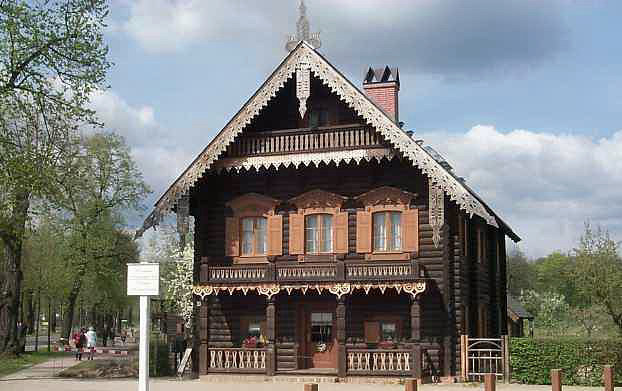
319,339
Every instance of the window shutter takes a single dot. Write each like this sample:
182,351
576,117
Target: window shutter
410,229
275,235
372,332
363,232
296,233
341,233
232,236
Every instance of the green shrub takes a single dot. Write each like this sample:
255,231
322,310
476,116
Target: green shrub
159,363
581,360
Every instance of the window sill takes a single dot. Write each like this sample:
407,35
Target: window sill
388,256
250,259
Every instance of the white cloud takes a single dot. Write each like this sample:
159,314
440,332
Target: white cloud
544,185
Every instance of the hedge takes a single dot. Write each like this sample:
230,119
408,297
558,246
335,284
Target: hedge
580,359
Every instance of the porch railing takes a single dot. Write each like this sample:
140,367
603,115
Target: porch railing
237,359
379,362
305,140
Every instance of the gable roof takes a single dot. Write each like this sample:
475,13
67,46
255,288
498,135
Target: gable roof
516,309
305,56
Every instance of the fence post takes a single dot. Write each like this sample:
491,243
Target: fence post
411,385
608,377
490,381
506,358
310,387
556,379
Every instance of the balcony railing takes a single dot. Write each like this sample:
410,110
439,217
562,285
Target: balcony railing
358,272
279,142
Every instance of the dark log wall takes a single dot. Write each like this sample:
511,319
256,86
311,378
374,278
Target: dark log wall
460,283
225,312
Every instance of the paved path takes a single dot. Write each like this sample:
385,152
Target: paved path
198,385
50,368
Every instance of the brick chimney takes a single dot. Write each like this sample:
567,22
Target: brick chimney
382,85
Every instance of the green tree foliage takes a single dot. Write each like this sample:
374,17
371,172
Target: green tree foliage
100,184
549,308
598,272
52,56
521,274
554,273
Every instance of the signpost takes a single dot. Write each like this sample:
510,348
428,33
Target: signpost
143,279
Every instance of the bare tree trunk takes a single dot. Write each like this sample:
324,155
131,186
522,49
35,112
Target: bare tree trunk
13,242
53,317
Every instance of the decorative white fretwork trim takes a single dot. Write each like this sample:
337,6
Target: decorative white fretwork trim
355,99
304,159
436,200
338,288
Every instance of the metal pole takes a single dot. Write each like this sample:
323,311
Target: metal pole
143,356
38,321
49,321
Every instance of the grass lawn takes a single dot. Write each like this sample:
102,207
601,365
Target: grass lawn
10,363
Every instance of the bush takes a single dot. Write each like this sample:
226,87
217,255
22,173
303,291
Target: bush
159,363
581,360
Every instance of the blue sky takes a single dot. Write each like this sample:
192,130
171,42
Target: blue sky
522,97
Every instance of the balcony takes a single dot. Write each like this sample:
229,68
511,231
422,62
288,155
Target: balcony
288,272
304,140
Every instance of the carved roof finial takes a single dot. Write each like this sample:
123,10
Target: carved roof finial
303,31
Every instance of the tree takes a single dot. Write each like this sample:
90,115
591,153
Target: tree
52,56
100,184
598,272
520,272
554,273
549,309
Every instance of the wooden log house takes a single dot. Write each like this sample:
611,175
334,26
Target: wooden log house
328,240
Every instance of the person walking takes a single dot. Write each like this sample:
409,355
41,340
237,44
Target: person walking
91,340
123,337
80,341
104,335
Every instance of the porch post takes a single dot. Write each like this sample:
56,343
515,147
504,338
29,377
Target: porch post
341,336
271,336
415,319
203,336
415,336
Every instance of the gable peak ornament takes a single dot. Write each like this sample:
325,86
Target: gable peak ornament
303,31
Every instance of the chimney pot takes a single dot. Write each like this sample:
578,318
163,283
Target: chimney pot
382,86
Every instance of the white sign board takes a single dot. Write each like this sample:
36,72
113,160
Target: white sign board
143,279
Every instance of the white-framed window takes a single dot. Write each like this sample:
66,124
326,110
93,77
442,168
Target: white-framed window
318,233
387,231
253,236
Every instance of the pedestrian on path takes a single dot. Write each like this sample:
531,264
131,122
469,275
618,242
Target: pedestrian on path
80,341
91,340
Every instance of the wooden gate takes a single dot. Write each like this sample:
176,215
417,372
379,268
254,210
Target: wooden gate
481,356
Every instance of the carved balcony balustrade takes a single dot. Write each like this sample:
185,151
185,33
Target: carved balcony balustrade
348,271
322,139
